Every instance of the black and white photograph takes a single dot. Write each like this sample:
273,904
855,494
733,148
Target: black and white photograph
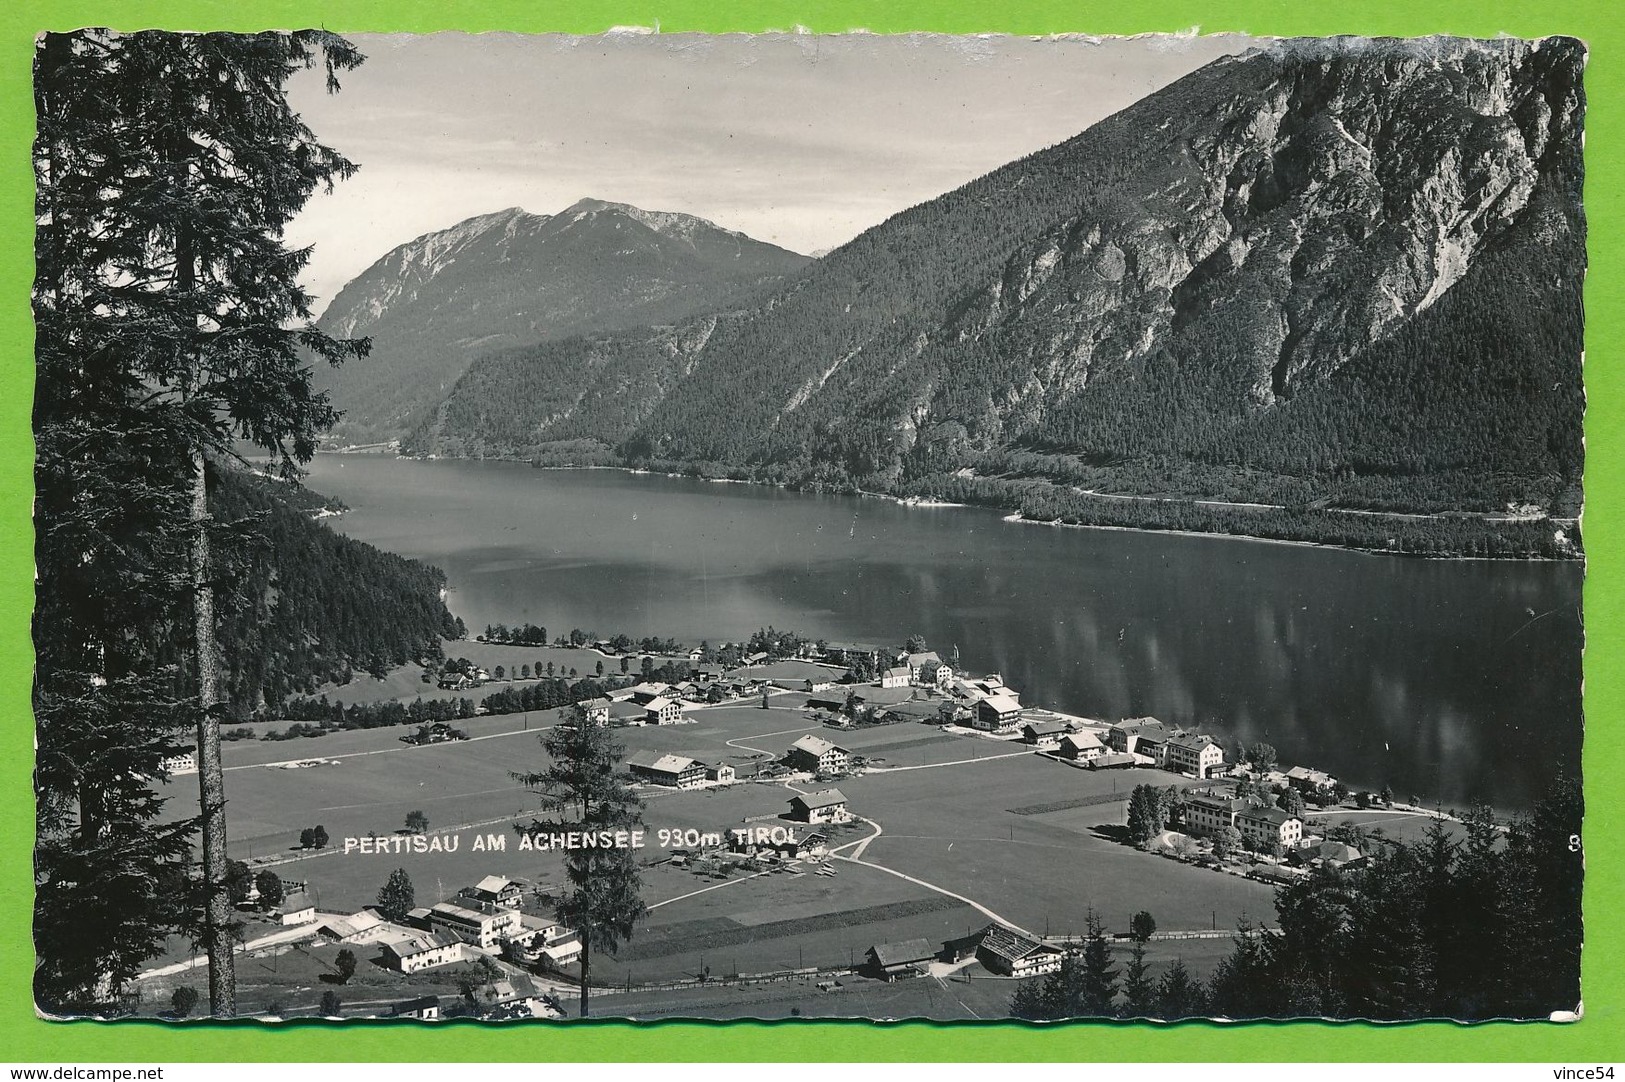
683,526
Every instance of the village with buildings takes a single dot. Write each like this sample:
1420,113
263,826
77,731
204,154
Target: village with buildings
782,770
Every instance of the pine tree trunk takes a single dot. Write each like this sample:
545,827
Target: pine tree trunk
211,778
586,952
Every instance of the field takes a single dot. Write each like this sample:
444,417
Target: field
953,831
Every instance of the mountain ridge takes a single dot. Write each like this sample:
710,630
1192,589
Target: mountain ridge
432,304
1157,306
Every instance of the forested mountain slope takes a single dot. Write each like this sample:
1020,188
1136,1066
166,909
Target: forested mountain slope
500,279
1337,272
309,605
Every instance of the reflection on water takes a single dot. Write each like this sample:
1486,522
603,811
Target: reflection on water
1450,680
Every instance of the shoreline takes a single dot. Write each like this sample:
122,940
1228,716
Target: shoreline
1014,517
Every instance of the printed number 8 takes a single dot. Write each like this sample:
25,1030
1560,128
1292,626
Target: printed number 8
1574,843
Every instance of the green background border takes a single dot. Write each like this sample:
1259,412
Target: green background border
1600,1036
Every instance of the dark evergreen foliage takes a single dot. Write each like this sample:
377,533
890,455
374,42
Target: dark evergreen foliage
583,787
1484,927
308,605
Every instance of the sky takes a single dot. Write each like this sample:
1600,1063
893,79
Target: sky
797,139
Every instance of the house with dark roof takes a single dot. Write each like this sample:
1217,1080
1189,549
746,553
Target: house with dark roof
1308,780
1263,827
889,961
1017,954
297,907
824,806
497,890
1144,736
1328,854
1043,731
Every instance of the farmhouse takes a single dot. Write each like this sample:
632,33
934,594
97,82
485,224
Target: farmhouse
824,806
298,907
817,755
906,959
362,927
663,710
1192,754
475,922
1327,853
1081,747
1016,954
1043,732
1306,780
495,890
597,710
182,762
722,773
512,997
422,952
643,693
817,683
677,771
997,713
1113,761
1263,827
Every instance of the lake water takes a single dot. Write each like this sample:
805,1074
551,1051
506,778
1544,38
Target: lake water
1449,680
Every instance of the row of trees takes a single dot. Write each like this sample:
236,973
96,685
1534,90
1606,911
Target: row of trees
1486,925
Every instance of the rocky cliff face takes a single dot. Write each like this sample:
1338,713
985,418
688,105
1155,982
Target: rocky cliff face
1224,280
1339,199
501,279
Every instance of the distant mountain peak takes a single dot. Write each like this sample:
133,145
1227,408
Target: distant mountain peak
1339,270
509,277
